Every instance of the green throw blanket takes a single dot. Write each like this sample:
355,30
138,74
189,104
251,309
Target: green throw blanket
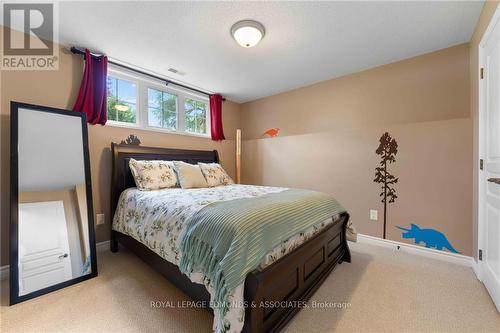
227,240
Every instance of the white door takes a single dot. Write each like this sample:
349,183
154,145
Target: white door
44,257
489,176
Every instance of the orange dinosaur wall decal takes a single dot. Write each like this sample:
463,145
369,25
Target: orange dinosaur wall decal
272,132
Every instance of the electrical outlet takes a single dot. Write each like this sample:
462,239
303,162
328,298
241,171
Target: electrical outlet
373,215
99,219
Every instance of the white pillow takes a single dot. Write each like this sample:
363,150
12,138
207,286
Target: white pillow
189,175
153,175
215,174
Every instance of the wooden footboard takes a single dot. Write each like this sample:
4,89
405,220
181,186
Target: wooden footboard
280,290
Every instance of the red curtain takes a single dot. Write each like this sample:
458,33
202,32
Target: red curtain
216,117
92,99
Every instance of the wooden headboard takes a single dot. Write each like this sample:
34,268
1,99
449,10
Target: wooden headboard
121,177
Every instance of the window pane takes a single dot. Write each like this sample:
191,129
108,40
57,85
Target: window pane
111,86
122,100
126,113
170,120
127,91
196,116
154,117
154,98
162,109
169,102
112,100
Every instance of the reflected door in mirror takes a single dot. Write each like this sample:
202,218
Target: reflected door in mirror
54,227
44,258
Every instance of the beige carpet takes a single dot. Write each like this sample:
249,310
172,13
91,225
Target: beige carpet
387,291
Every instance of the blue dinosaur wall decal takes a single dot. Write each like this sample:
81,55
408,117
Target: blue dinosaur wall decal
431,237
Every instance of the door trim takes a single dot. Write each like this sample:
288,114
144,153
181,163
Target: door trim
481,145
481,140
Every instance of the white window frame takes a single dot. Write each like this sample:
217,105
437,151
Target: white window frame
198,99
162,88
142,122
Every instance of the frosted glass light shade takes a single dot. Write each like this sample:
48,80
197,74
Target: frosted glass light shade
247,33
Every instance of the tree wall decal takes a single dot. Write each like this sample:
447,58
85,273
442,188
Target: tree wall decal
387,150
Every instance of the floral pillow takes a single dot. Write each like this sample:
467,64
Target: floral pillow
153,175
215,174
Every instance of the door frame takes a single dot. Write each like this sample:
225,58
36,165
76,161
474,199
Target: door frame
481,145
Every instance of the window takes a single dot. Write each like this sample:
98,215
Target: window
143,102
122,100
162,109
196,116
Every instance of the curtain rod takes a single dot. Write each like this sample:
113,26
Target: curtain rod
78,51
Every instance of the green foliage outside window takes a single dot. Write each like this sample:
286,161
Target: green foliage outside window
119,109
196,116
162,108
127,116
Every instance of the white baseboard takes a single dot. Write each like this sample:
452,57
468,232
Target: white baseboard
100,247
476,267
456,258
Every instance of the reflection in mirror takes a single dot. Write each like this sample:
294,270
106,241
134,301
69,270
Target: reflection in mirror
53,217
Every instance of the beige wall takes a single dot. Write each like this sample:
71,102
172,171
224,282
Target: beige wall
431,87
59,89
329,133
486,15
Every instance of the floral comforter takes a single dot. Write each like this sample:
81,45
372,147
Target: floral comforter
157,219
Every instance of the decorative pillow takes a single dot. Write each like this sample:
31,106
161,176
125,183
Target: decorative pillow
215,174
189,175
153,175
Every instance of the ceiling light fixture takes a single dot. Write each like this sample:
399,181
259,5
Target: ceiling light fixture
247,33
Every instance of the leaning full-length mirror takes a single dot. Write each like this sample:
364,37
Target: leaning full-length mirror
52,233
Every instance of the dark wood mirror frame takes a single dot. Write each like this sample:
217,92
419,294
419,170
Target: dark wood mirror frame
14,203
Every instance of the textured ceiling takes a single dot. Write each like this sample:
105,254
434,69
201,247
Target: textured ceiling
305,42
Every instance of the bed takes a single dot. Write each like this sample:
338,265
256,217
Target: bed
285,283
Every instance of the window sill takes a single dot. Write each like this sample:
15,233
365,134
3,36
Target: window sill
155,129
